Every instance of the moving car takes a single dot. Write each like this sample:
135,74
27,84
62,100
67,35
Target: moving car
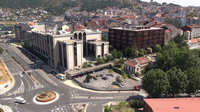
19,100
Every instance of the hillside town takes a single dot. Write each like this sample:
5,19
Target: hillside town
118,58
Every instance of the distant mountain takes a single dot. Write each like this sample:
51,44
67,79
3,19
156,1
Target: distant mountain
59,6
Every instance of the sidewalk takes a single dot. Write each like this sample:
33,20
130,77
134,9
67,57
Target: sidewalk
72,84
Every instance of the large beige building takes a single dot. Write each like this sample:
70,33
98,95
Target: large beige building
65,50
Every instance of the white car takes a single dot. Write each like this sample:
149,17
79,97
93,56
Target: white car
20,100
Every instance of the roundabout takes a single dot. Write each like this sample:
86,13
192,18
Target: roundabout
46,97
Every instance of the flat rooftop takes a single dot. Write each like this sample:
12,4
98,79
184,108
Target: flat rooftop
174,104
139,28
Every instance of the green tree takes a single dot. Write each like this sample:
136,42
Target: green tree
149,50
158,48
124,75
116,54
100,60
107,108
177,80
142,52
127,52
156,83
193,75
109,58
180,41
118,79
87,79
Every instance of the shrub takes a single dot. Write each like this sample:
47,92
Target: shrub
87,79
118,79
136,104
107,108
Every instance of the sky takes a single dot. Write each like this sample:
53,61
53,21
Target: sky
180,2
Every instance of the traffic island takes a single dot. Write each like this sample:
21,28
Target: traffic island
6,80
45,97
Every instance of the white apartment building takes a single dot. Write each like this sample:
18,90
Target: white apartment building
64,50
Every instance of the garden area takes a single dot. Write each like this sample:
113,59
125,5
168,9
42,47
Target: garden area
124,106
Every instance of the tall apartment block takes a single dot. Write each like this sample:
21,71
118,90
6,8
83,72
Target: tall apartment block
142,37
65,50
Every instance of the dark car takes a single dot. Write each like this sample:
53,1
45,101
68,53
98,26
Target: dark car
105,78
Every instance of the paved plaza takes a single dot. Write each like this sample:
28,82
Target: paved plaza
105,79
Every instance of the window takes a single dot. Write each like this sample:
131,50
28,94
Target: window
80,36
75,36
102,50
84,45
75,54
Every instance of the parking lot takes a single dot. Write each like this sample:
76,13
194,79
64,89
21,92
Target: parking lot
106,79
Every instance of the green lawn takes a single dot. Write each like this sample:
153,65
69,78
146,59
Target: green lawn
121,107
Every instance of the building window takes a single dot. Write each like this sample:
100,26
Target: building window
75,54
60,54
80,36
75,36
84,45
64,55
102,50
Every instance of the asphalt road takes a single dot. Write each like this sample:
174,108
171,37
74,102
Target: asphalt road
31,79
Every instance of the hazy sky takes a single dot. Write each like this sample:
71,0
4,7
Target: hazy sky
180,2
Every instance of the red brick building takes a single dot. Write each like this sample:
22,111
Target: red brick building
172,105
143,37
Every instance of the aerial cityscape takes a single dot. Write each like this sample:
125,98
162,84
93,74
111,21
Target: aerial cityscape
99,56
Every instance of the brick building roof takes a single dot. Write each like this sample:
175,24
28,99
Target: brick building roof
174,104
137,61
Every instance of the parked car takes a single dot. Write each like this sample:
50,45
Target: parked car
105,78
137,88
61,77
118,84
53,72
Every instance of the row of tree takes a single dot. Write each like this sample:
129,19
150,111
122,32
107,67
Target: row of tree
132,52
177,70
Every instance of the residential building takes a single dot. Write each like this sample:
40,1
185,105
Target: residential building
137,65
172,105
142,37
194,43
65,50
170,30
191,31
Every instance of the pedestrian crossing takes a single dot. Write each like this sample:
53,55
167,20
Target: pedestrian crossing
62,108
18,91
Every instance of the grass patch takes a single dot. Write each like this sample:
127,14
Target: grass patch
120,107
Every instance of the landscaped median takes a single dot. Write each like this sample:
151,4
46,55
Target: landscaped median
46,97
6,80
